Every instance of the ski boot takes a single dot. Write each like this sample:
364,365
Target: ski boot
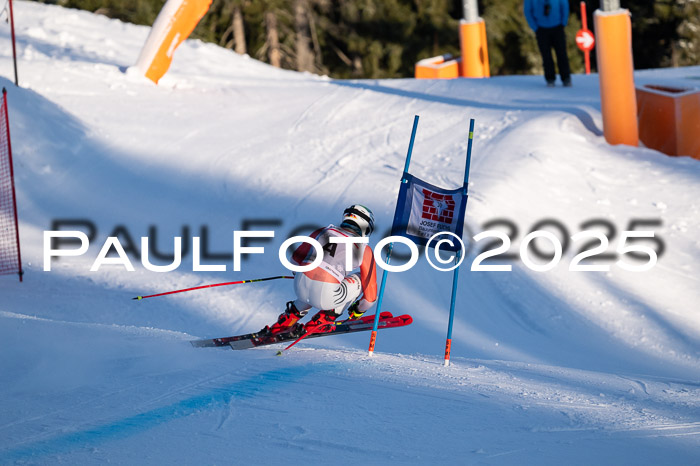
287,321
322,322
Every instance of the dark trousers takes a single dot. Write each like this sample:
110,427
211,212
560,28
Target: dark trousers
553,38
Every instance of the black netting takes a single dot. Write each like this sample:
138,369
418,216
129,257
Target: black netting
9,252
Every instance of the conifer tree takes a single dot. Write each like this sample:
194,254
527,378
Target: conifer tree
385,38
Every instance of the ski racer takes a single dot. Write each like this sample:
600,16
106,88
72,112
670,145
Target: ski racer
330,287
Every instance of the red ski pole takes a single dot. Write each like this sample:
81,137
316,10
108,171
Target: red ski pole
212,286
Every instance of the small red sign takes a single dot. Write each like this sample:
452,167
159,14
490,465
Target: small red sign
585,40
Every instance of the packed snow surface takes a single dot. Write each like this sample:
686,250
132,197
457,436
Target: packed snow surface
554,367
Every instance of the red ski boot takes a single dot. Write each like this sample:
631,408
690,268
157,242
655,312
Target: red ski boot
285,322
322,322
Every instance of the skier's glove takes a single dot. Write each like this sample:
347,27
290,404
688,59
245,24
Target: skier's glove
354,312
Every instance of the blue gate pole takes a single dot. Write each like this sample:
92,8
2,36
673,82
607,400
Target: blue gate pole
373,338
469,153
453,299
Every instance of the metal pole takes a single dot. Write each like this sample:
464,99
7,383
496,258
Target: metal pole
373,338
240,282
471,10
610,5
14,51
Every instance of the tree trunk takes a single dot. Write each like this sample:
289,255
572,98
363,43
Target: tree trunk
273,40
358,69
305,54
238,31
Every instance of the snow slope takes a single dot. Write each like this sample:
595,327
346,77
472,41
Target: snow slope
552,367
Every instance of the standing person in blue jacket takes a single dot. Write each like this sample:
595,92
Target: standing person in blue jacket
548,18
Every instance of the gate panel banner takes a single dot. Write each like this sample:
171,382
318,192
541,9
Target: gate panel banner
422,210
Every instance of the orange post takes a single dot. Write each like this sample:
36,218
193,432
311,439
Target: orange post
616,74
472,41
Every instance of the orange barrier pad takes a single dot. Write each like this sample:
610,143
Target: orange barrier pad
437,68
669,119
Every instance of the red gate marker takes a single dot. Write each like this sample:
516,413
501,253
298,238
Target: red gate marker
584,38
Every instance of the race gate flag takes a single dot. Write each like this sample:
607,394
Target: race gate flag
10,259
422,210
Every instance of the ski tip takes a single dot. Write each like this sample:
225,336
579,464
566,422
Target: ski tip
138,298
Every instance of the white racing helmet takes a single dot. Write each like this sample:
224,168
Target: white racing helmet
358,218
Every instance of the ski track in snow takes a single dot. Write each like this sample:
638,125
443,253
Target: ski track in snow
552,368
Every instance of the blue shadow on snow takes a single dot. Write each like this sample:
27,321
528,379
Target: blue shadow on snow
215,398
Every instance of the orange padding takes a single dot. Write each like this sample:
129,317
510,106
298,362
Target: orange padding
475,56
669,119
437,68
448,347
618,102
176,28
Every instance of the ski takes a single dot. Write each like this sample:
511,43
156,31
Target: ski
253,340
225,341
